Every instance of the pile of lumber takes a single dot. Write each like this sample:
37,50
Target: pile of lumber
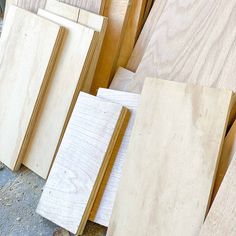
127,109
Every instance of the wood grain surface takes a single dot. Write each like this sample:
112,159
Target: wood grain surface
96,6
122,79
117,13
23,79
89,19
81,162
172,158
193,42
103,205
66,82
221,218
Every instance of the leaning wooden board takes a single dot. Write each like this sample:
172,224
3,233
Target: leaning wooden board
67,80
22,84
96,6
91,20
221,218
172,159
117,12
193,42
81,162
103,205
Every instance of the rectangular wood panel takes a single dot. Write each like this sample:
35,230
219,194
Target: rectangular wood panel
103,205
89,19
95,6
22,84
172,159
192,42
221,218
81,162
67,80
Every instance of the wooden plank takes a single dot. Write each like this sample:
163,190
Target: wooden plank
130,36
221,218
179,49
146,35
31,5
117,13
96,6
172,158
122,79
22,85
67,81
94,21
81,162
229,149
103,205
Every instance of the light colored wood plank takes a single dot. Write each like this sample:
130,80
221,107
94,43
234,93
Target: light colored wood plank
172,159
94,21
67,80
103,205
229,149
146,35
180,50
221,218
96,6
122,79
117,13
31,5
22,85
130,36
81,162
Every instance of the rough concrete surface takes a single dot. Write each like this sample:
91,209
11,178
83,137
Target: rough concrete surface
19,196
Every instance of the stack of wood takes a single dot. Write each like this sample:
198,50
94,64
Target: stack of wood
153,153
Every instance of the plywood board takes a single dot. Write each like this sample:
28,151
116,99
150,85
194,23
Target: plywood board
122,79
197,46
94,21
172,159
228,151
135,18
221,218
67,80
96,6
22,85
81,162
117,13
146,35
103,205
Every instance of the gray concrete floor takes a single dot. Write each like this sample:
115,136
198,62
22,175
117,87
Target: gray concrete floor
19,196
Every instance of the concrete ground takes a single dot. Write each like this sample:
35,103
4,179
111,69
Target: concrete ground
19,196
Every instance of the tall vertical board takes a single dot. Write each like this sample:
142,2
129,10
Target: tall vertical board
67,80
172,159
26,63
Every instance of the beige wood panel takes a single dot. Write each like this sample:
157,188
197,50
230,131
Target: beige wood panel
31,5
197,46
122,79
103,205
146,35
96,6
94,21
22,85
135,18
117,13
67,80
221,218
81,162
228,151
172,159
